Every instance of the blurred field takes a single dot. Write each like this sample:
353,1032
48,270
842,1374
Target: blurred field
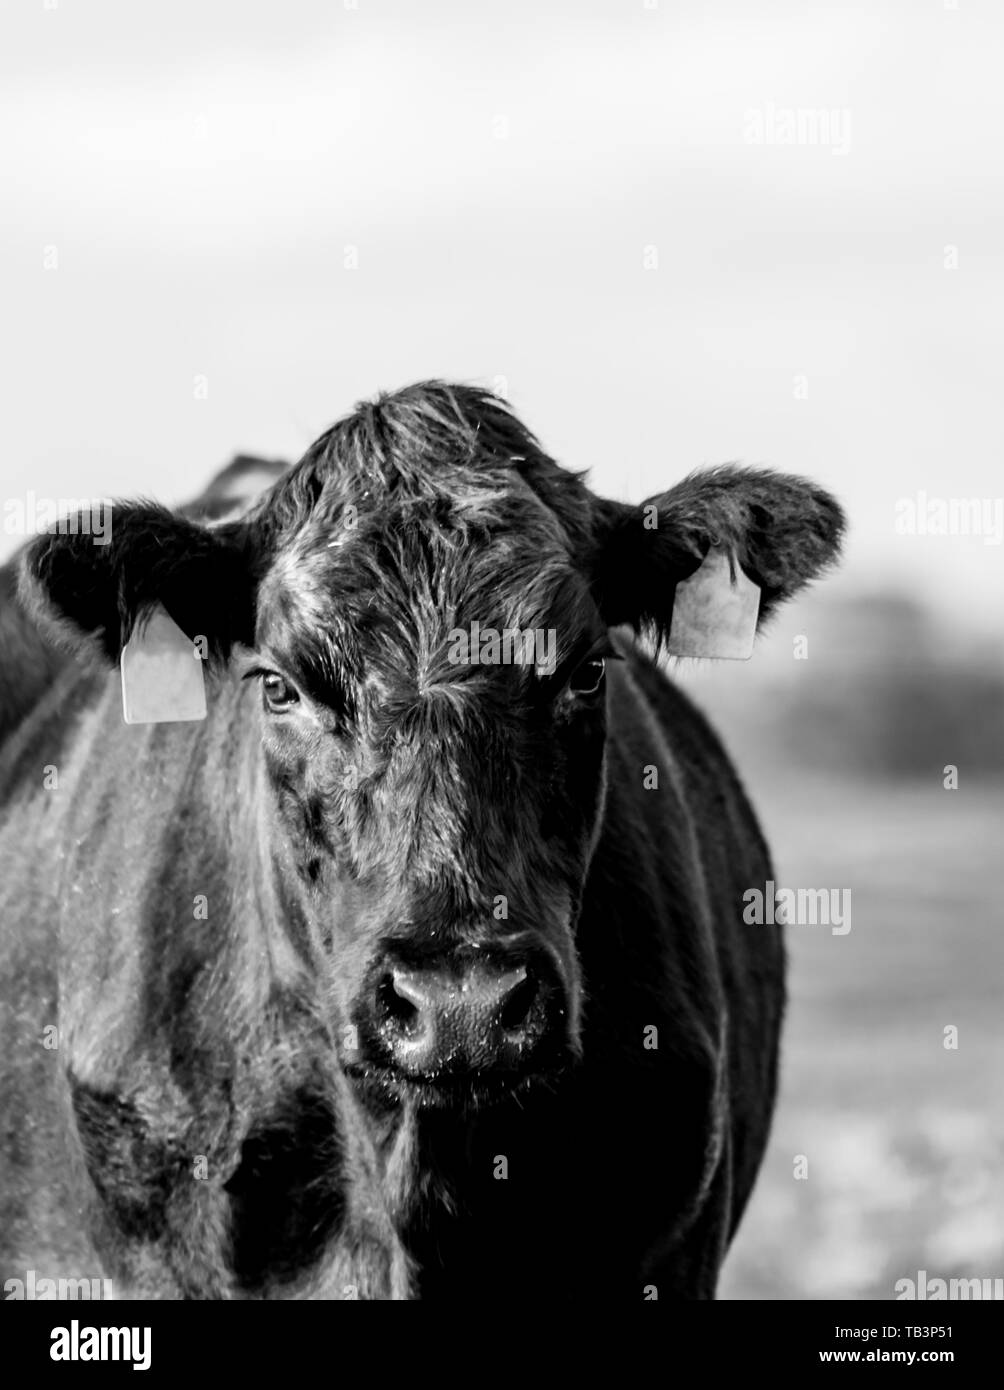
904,1139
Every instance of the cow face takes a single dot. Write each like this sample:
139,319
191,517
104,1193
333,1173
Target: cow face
420,612
432,672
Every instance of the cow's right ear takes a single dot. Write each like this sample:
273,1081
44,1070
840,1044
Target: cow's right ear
90,591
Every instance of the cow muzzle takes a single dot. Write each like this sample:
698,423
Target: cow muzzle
478,1016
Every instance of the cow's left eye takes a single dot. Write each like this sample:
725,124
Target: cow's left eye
587,679
277,692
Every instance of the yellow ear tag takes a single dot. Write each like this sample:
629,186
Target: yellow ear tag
162,680
714,611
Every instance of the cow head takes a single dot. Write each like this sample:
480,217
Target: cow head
420,612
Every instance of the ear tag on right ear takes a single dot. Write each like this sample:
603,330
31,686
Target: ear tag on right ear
162,680
714,613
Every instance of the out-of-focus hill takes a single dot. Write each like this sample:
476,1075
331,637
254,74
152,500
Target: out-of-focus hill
873,686
844,753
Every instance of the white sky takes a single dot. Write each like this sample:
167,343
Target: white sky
500,168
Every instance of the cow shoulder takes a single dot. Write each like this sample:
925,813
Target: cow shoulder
30,663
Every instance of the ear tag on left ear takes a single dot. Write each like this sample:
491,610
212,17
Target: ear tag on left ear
162,680
714,611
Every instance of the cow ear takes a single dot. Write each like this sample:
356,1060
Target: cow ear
781,530
90,591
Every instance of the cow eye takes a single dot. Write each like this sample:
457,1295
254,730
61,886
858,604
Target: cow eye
277,692
587,679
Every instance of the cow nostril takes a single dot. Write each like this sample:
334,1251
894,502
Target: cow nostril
455,1015
395,1007
519,1004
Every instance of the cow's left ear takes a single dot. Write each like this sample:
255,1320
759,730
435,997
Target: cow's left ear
781,530
89,591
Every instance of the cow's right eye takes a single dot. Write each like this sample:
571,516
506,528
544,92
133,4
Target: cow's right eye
277,692
587,679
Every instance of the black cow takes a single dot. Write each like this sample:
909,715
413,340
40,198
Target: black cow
235,487
401,974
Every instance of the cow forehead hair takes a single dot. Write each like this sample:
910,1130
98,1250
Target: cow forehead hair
453,453
434,506
424,554
389,605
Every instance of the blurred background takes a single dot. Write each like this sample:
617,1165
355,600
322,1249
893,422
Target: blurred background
672,233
